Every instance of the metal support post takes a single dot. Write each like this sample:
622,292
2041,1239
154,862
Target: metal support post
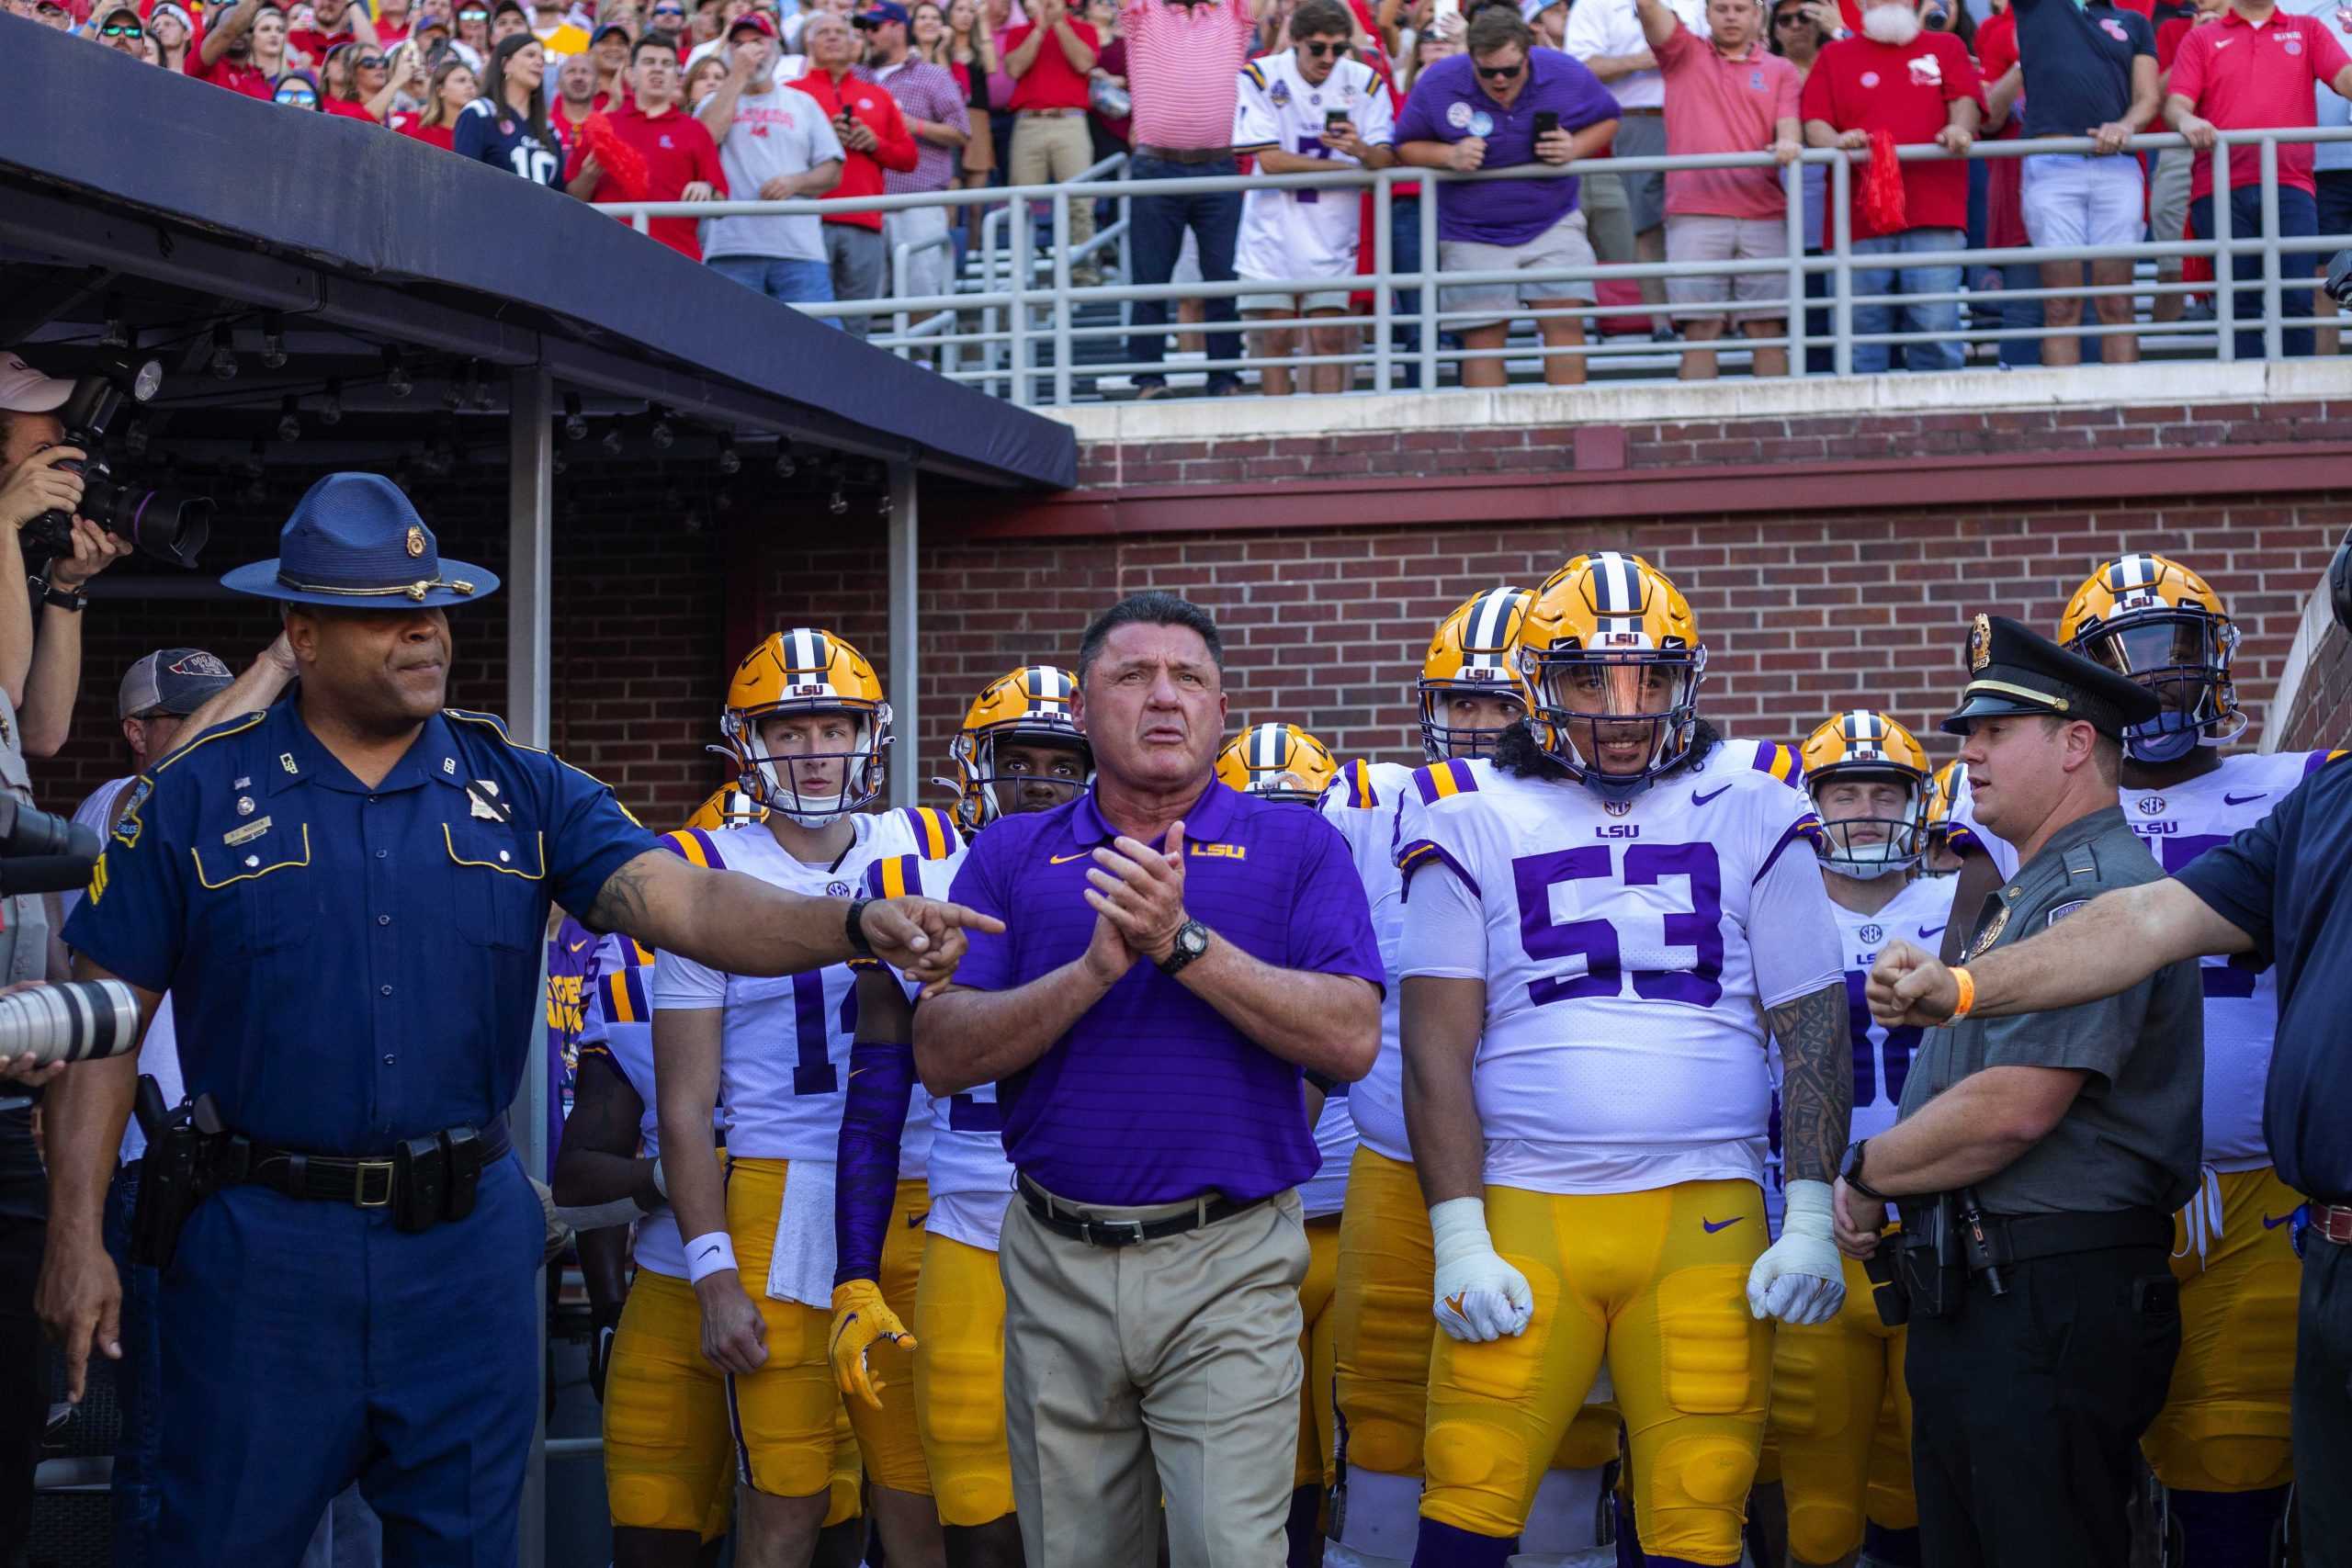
905,674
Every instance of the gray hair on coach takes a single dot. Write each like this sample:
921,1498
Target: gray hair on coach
1150,608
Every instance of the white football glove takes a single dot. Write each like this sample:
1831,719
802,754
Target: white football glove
1800,1279
1479,1296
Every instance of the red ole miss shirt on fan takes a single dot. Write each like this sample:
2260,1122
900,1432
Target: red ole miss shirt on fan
2242,76
677,152
1859,84
237,75
894,145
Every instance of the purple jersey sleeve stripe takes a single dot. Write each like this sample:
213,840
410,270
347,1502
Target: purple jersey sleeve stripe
1422,852
1807,828
2317,761
695,846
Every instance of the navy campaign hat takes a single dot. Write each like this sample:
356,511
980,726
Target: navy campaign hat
355,540
2014,671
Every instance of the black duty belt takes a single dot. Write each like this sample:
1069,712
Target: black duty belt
2021,1239
1055,1216
422,1180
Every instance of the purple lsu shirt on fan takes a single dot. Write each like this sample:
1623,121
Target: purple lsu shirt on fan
573,953
1152,1097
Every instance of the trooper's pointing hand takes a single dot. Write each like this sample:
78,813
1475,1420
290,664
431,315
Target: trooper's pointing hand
922,938
1908,986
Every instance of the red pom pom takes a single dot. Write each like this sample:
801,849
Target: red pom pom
1882,208
624,165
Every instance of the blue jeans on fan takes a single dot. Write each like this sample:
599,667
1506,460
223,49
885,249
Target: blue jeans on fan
1157,239
135,1378
1943,319
788,278
2298,219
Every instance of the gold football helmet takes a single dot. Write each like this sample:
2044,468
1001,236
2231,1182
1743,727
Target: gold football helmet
1862,745
805,671
1471,656
726,807
1612,657
2157,622
1277,762
1030,705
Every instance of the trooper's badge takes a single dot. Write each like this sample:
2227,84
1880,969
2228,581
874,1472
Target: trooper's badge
1980,643
1990,934
415,541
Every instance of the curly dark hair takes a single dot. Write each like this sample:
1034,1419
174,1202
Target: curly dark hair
1517,754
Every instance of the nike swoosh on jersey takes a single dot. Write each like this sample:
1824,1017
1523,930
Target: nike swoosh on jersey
2242,799
1065,859
1698,800
1927,931
914,1222
2271,1225
576,946
1712,1226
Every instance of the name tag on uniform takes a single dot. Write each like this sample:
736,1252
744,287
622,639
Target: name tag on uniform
246,834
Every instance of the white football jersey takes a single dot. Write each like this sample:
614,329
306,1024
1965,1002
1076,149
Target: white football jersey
615,1017
970,1179
1304,233
1629,950
2179,823
1362,803
785,1041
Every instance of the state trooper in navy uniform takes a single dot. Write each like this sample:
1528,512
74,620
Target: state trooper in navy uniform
345,897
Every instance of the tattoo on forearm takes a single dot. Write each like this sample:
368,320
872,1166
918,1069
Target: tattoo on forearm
621,903
1816,1082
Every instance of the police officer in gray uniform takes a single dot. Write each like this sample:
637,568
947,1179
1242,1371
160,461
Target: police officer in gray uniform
2039,1157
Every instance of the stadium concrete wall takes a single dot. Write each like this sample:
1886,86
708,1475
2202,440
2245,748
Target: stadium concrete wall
1832,554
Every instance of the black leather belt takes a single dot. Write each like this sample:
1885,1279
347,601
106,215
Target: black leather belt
422,1180
1183,154
2021,1239
1098,1232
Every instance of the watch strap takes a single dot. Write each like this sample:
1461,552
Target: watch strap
1180,954
854,923
1853,1172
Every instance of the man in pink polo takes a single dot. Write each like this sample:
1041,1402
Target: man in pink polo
1726,93
1185,59
2255,68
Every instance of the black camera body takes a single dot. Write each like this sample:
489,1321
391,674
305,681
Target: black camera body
161,523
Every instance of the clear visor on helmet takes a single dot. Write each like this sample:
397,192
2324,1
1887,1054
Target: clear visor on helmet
1464,718
1871,822
2181,657
1620,716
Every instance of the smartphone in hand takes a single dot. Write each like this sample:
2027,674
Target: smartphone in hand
1546,122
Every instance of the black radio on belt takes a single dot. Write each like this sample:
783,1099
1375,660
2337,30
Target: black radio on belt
434,1177
1930,1259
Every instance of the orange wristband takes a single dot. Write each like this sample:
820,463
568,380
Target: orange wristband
1967,984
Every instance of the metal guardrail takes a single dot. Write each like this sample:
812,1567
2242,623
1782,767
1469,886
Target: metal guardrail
1018,331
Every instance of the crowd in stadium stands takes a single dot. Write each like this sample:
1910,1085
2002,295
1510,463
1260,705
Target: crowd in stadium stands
699,99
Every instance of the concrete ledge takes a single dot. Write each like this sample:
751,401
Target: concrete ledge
1642,402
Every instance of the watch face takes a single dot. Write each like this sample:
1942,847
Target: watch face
1194,938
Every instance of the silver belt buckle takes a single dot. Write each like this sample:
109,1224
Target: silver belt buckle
1111,1232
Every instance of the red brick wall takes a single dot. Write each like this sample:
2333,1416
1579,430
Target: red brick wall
1802,617
2323,710
638,633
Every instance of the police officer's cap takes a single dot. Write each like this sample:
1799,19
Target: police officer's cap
2013,670
354,540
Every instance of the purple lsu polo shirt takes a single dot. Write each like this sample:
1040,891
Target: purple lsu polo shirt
1152,1097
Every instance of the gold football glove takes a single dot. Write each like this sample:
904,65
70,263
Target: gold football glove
861,1317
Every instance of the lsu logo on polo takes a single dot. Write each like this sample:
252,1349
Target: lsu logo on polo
1220,851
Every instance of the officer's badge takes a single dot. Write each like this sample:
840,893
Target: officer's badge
2062,910
1980,643
415,541
1990,934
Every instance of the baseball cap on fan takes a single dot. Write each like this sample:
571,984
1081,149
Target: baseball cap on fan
23,390
171,680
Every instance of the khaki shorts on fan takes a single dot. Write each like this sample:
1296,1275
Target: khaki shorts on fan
1703,237
1296,304
1562,246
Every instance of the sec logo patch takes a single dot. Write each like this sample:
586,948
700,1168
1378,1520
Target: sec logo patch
837,889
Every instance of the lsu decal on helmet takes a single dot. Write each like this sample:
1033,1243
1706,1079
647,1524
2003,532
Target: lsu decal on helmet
806,674
1277,762
1471,656
1863,835
1613,660
2157,622
1031,707
726,806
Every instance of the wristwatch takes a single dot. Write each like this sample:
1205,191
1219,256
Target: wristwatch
1852,1171
73,599
855,923
1192,940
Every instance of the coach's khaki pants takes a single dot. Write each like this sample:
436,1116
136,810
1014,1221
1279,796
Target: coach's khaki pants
1051,150
1166,1369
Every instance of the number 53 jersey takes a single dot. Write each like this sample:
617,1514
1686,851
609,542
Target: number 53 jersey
1629,950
